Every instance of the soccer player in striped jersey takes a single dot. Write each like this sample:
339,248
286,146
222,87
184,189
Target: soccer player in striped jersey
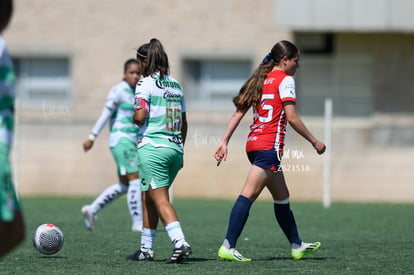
160,113
123,138
11,217
270,91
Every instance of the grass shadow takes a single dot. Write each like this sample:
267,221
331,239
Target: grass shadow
283,258
52,257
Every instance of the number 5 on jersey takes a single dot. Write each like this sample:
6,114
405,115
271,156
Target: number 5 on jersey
267,107
173,116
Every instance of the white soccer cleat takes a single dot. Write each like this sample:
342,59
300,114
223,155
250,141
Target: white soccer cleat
88,217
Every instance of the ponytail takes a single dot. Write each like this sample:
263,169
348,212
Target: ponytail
155,57
251,91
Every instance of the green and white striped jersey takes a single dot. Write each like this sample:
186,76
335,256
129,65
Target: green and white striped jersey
119,110
7,95
165,100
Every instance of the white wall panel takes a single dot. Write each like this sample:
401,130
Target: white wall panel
345,15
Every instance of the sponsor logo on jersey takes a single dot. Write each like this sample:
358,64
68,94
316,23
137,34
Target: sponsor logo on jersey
171,94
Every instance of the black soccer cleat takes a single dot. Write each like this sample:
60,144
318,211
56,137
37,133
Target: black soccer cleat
141,256
179,254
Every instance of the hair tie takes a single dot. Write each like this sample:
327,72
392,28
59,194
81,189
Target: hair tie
267,58
141,55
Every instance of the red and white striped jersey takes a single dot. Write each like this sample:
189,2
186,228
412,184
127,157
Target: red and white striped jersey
269,120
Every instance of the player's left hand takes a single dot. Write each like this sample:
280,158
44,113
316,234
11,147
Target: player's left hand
320,147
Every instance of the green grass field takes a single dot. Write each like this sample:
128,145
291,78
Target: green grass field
356,239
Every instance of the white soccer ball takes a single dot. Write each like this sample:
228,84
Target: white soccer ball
48,239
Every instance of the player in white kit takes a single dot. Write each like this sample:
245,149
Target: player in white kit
119,109
160,113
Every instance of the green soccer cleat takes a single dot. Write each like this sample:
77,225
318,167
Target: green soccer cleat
231,254
305,249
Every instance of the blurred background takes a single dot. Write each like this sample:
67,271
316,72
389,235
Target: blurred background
359,53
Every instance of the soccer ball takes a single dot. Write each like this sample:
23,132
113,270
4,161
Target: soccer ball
48,239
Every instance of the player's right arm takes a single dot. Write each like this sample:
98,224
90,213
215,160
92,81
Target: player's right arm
221,151
141,102
110,106
140,111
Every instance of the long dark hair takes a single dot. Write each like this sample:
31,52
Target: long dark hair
6,12
251,91
155,58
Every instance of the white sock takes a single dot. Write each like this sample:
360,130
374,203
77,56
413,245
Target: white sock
134,201
107,196
226,244
175,233
296,246
147,239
